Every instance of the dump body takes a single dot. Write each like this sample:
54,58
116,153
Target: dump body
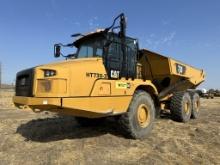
167,74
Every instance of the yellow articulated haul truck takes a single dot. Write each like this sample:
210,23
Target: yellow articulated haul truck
109,75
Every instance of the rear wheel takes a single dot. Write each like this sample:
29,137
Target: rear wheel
137,122
195,105
181,106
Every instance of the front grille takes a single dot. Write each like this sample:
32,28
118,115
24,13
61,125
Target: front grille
44,86
24,83
51,86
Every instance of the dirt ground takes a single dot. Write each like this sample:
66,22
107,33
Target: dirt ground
45,138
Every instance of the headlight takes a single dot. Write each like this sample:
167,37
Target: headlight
49,73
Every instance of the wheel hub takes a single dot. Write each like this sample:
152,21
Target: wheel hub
197,104
187,108
143,115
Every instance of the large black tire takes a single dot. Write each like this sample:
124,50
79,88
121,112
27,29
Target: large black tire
85,122
195,105
138,121
181,106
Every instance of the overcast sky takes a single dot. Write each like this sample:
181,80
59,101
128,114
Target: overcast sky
187,30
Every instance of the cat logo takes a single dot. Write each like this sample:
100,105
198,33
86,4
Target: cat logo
115,74
180,69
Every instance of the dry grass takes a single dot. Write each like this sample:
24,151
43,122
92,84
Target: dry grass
6,98
44,138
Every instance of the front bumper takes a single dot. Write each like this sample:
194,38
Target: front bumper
34,101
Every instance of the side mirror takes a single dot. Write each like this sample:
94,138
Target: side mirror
57,49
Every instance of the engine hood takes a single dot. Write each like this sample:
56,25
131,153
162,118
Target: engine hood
74,77
70,62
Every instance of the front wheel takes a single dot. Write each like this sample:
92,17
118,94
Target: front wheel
137,122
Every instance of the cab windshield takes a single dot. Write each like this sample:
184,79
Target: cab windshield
91,48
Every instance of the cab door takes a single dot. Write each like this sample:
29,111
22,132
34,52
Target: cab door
120,60
113,61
